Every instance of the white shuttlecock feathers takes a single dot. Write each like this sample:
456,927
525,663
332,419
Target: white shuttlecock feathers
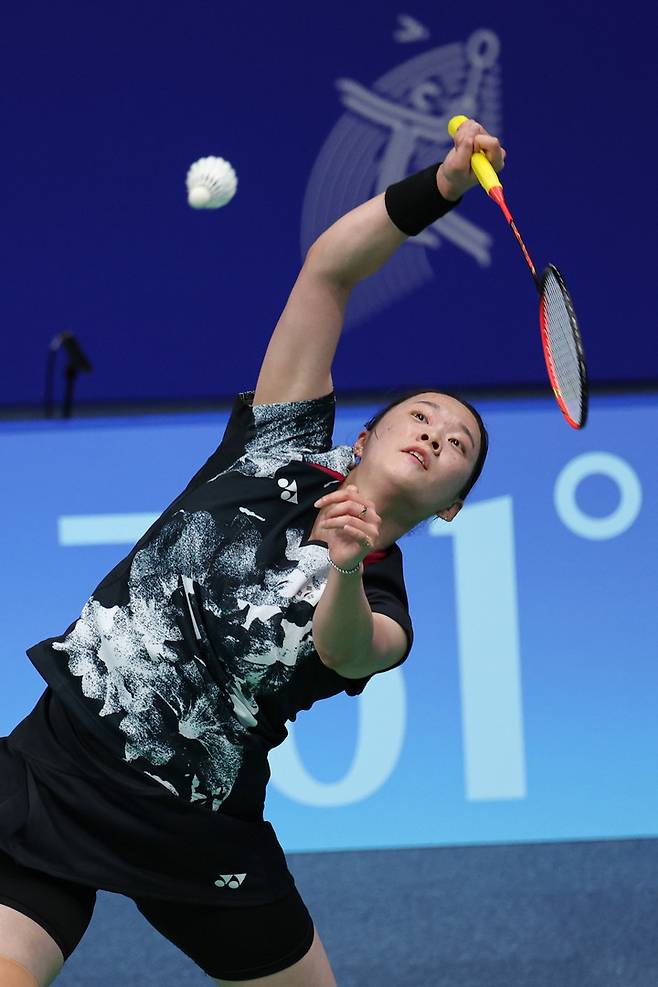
211,183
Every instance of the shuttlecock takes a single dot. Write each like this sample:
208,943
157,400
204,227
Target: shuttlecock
211,182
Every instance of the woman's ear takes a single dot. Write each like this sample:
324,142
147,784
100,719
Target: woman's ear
358,446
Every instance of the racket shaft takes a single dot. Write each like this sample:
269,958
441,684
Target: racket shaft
525,252
488,179
496,193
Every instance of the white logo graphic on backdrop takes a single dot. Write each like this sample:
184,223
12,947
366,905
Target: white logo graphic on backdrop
410,30
391,129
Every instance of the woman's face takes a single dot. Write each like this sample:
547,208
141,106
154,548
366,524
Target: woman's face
447,436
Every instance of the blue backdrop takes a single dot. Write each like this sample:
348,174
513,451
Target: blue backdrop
526,710
105,106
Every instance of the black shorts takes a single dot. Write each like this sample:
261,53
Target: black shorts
228,943
74,811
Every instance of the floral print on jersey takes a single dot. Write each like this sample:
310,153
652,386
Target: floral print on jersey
207,625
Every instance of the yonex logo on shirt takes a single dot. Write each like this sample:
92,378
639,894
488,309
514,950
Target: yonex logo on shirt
230,880
290,490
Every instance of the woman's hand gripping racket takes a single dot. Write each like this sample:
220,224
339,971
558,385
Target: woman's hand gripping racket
560,336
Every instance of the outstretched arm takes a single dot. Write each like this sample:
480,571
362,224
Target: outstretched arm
358,243
297,363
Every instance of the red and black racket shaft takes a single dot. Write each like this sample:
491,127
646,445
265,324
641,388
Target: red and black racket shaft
496,194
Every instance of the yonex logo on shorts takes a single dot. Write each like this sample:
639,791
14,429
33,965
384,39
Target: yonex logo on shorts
230,880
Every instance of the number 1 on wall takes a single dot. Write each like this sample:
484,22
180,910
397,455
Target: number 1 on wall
488,639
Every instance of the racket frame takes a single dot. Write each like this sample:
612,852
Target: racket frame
550,367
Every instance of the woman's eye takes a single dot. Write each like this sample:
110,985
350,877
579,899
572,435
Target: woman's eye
419,413
457,441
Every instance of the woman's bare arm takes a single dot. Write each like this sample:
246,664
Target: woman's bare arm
358,243
299,358
298,361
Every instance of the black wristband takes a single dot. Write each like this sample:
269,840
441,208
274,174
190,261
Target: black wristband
415,202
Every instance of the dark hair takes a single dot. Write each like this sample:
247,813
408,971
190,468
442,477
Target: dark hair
484,435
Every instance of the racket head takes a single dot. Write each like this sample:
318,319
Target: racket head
563,347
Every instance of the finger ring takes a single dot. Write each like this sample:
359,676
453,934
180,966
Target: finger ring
363,511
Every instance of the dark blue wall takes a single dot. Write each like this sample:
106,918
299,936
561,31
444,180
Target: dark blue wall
105,106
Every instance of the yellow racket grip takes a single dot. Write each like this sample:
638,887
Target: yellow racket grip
480,164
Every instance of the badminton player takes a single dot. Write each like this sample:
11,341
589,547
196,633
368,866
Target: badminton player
272,581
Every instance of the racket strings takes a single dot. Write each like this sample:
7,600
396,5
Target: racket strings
562,339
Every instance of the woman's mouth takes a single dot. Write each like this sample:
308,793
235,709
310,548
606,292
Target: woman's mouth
417,457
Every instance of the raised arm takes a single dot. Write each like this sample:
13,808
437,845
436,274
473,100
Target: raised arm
358,243
298,361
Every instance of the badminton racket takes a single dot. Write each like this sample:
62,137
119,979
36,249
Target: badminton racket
560,336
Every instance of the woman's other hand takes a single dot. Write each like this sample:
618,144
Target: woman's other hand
349,533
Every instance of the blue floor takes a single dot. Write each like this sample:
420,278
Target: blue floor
531,915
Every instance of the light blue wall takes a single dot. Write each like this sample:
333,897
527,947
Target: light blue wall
526,710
